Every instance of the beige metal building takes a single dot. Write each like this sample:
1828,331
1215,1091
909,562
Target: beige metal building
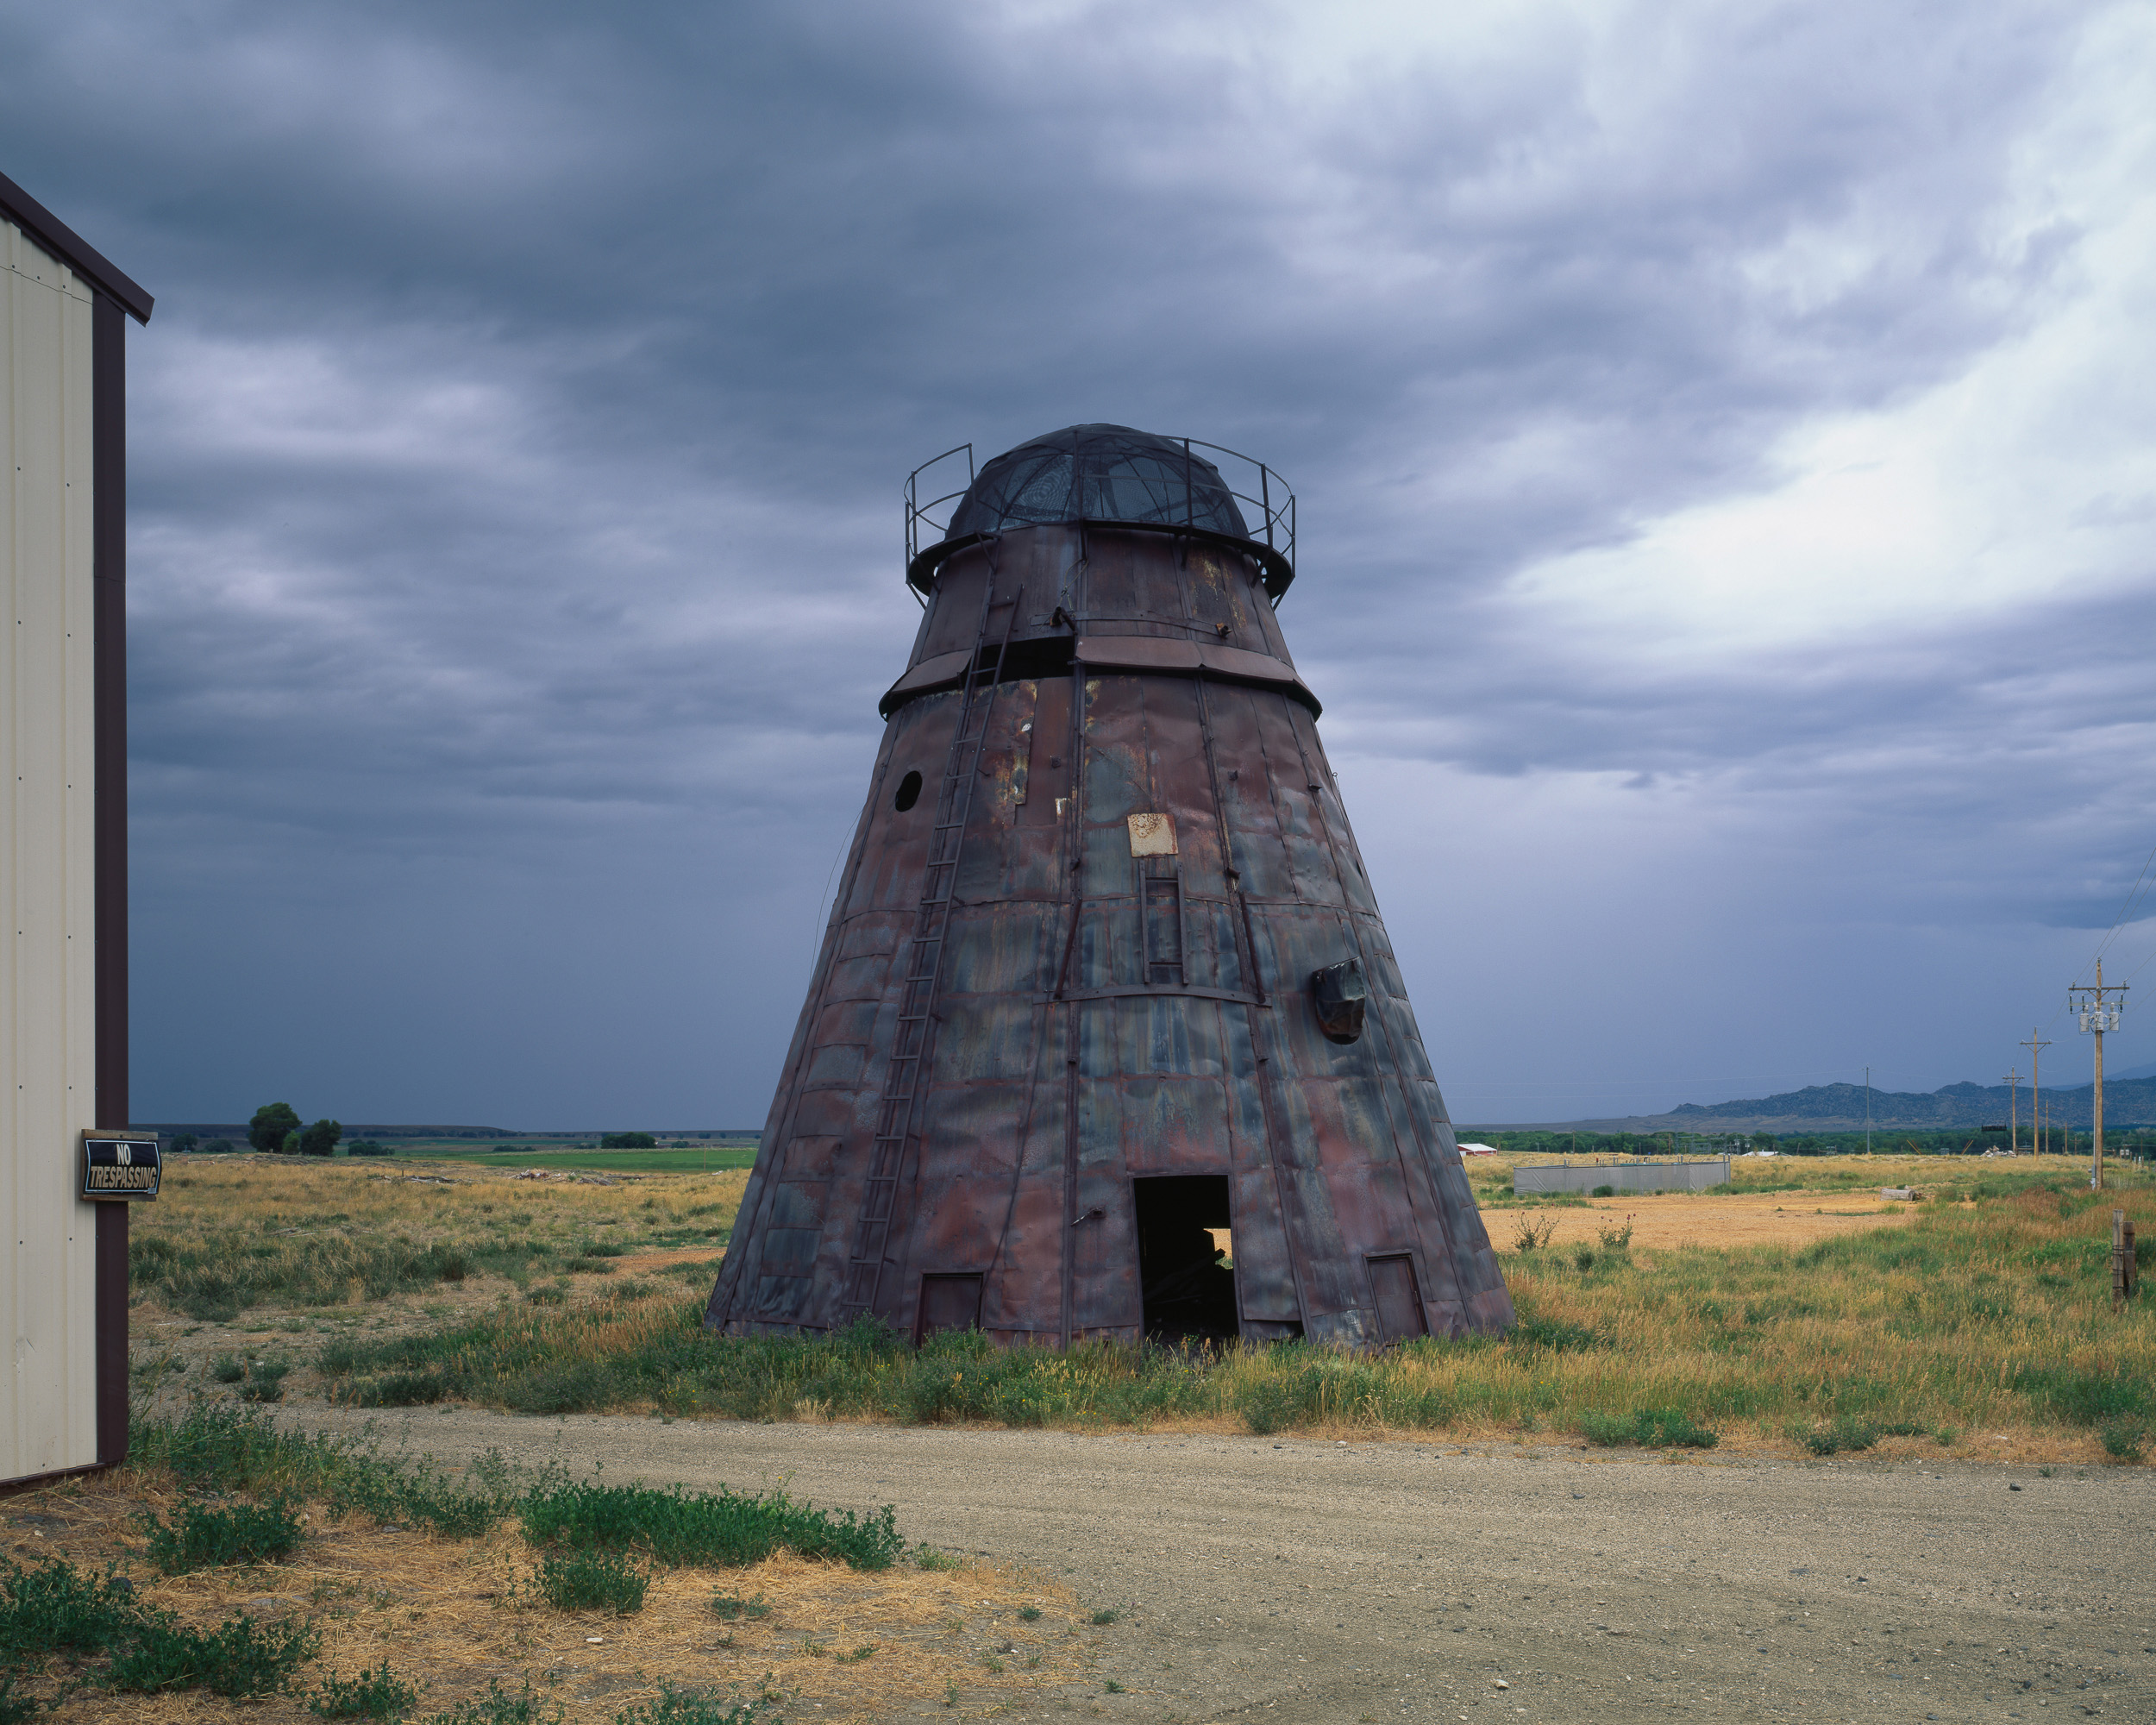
63,837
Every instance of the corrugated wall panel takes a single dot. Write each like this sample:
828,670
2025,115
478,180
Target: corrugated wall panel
48,1043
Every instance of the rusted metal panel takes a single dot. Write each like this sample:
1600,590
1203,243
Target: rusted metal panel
1154,866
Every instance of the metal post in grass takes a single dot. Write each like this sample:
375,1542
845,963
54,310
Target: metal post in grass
2121,1259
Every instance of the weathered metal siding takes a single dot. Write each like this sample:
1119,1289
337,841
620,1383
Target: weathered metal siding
1103,1016
48,1047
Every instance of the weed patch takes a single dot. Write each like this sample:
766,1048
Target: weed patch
720,1530
1654,1428
238,1658
57,1608
499,1707
592,1581
732,1607
2123,1440
207,1538
218,1446
374,1694
692,1707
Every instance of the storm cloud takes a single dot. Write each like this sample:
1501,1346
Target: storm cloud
1721,434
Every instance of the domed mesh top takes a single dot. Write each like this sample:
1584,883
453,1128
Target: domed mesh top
1098,473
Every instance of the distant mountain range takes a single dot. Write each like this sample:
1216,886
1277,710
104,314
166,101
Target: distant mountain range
2128,1101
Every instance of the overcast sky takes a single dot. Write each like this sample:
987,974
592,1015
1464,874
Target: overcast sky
1725,442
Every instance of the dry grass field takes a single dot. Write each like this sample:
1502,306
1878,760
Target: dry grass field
1797,1310
1667,1221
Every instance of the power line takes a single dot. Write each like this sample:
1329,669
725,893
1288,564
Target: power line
2143,883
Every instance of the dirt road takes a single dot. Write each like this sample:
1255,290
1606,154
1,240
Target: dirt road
1295,1580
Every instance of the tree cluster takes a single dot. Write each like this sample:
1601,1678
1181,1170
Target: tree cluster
276,1131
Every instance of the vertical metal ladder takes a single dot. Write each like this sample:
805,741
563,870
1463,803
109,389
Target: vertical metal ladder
911,1047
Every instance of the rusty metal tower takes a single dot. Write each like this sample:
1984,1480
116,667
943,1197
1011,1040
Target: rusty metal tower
1106,1037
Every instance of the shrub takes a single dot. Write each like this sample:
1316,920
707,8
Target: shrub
586,1581
371,1695
1614,1237
239,1658
627,1141
1654,1428
1848,1433
57,1608
2123,1440
211,1539
1529,1235
1604,1192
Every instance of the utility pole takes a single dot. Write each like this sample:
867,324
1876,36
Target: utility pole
2013,1083
2035,1046
1867,1110
2096,1017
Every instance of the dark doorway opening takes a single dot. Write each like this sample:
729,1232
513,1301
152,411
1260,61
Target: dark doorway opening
948,1302
1400,1312
1188,1291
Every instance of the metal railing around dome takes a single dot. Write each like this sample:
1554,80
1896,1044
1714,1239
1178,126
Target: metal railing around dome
1272,504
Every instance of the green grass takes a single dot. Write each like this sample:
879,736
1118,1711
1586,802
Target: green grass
219,1446
1653,1428
719,1529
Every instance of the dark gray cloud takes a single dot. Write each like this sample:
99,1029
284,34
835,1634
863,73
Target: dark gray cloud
517,458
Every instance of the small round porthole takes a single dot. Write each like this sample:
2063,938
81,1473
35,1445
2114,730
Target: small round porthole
909,792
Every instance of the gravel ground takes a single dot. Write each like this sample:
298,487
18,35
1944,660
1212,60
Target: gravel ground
1293,1580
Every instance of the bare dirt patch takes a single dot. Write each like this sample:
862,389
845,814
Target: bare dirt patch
1667,1220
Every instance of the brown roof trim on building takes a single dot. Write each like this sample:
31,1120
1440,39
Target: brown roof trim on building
72,250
